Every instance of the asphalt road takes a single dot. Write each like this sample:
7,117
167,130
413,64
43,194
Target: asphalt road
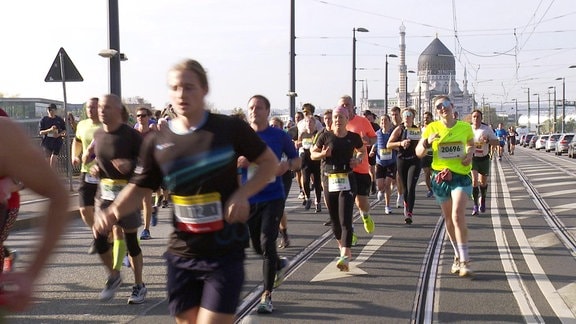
381,287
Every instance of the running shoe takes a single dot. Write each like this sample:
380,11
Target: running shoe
138,294
284,242
455,266
408,219
465,270
301,195
379,196
164,203
112,284
328,223
475,210
145,235
387,210
343,264
92,248
482,206
399,201
368,223
265,306
154,220
281,272
354,239
318,208
429,194
307,204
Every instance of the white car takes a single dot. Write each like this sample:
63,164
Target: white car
541,142
551,142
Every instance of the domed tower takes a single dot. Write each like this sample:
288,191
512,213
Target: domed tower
437,76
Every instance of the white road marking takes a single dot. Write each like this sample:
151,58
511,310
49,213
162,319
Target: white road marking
332,272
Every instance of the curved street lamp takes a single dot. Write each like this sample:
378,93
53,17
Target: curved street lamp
354,30
386,83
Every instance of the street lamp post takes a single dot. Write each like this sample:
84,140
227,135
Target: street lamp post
515,111
554,123
292,92
538,112
386,83
563,101
354,30
529,129
114,43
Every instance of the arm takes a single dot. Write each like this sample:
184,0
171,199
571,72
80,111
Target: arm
237,207
20,159
467,159
393,143
76,155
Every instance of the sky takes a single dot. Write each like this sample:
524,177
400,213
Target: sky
505,46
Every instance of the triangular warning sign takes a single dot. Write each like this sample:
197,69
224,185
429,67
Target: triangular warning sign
71,74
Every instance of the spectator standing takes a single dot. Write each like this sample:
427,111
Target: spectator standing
52,130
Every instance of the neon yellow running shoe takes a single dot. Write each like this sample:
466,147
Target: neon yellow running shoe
342,264
368,223
354,239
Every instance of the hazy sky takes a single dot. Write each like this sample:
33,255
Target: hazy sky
244,45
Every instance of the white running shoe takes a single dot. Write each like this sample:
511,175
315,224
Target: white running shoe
379,196
400,201
387,210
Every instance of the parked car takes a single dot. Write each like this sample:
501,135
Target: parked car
562,143
541,142
572,150
551,142
526,139
532,142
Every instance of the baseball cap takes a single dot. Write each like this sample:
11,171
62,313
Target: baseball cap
308,108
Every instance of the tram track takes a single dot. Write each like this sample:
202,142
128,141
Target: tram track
556,224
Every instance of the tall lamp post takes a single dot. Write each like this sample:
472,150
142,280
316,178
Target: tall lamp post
406,98
515,111
563,102
554,122
292,93
114,44
538,112
386,83
354,30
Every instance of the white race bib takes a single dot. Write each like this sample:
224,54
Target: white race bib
198,213
450,150
385,154
338,182
110,188
413,134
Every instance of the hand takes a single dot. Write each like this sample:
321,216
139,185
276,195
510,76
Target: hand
467,159
242,162
103,222
326,151
237,209
76,161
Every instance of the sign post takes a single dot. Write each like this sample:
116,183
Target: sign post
62,69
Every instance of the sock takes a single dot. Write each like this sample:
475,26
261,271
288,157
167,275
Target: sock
483,190
455,249
118,253
463,251
475,192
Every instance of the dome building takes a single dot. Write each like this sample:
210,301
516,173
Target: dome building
436,76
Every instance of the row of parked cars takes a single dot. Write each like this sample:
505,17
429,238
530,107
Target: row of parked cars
559,143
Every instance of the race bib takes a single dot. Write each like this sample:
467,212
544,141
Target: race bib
385,154
413,134
338,182
110,188
307,143
198,213
479,148
88,178
450,150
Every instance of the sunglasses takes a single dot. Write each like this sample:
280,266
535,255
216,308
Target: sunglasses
141,115
444,104
407,114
